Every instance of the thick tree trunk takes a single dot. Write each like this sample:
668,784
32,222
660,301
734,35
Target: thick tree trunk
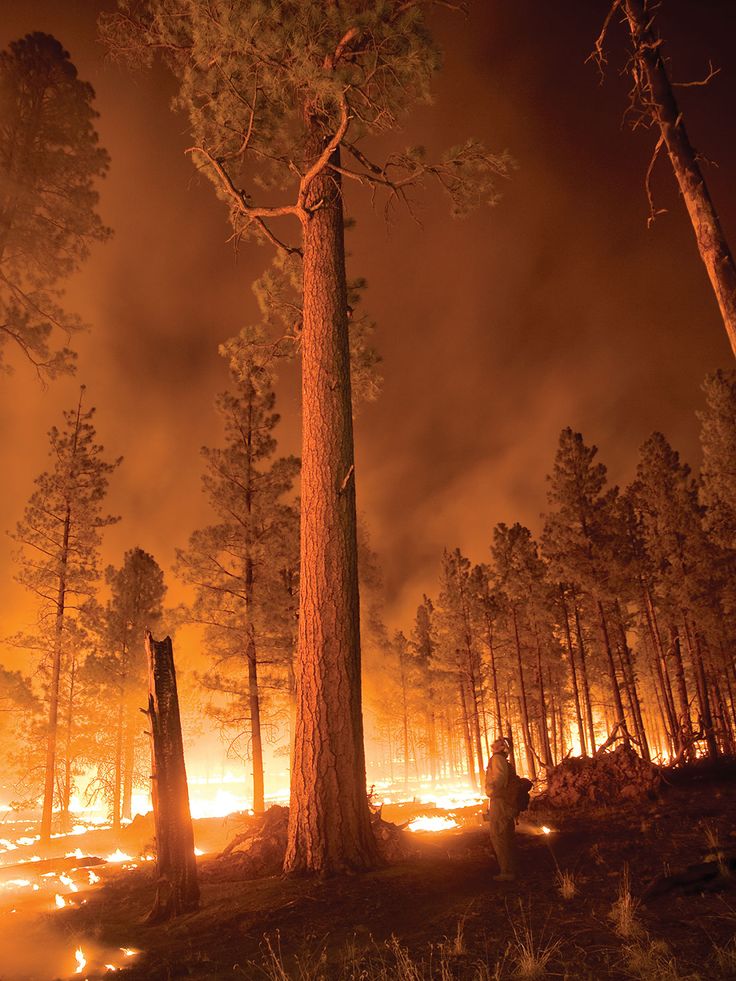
659,101
467,738
177,890
329,820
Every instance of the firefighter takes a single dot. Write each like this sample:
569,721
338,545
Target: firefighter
502,811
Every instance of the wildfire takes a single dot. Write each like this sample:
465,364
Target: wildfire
439,823
81,960
92,877
119,856
60,901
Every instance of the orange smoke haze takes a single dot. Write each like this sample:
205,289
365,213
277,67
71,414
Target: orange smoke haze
556,308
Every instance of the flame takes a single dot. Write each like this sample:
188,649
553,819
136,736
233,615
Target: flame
110,967
60,901
77,853
424,823
119,856
92,877
546,830
81,960
68,881
18,883
198,851
129,951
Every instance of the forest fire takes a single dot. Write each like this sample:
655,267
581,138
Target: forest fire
303,642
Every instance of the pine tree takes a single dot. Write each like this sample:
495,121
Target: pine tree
237,566
49,162
137,592
59,539
666,498
578,538
291,91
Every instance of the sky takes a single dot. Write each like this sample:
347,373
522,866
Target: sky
559,307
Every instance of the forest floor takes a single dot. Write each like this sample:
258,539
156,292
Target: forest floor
441,914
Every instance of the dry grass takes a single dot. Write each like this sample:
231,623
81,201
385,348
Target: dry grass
624,912
530,956
566,885
651,960
724,959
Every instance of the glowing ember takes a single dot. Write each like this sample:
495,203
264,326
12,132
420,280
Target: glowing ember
81,960
433,824
546,830
198,851
129,951
110,967
60,901
118,856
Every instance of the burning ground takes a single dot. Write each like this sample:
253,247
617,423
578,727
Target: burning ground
637,889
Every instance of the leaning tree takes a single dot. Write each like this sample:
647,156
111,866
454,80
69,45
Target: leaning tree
49,162
282,99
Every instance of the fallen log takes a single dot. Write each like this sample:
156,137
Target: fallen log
606,778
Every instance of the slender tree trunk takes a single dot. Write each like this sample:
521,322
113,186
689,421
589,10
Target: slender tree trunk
696,658
660,665
251,652
584,677
473,776
118,764
177,890
530,761
53,718
329,819
685,723
131,718
615,690
630,673
543,721
404,716
659,101
256,742
573,674
494,677
66,796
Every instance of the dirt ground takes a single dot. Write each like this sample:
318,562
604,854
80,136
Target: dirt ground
449,917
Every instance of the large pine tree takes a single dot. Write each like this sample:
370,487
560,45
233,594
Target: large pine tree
286,94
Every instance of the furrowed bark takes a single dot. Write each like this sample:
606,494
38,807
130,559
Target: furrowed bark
329,821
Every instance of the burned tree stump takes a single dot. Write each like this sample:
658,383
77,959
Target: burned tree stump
177,890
